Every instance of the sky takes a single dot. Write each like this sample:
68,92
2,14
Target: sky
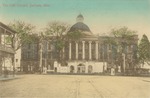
100,15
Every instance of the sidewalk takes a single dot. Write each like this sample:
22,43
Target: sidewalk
9,77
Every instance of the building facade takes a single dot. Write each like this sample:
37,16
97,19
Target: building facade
7,51
88,54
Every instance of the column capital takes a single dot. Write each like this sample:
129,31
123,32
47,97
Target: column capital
76,41
90,42
96,41
83,41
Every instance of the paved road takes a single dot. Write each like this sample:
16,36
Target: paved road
74,86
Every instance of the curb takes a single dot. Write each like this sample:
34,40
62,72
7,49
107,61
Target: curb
8,78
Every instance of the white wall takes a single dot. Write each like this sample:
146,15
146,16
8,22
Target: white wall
17,56
63,69
97,66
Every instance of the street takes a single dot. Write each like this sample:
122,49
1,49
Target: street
76,86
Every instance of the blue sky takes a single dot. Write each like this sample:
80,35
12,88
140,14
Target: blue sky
100,15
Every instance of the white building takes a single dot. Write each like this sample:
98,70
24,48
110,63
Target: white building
82,56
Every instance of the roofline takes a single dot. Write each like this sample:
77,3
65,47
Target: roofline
6,27
84,24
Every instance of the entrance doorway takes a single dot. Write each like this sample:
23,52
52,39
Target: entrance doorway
81,68
55,69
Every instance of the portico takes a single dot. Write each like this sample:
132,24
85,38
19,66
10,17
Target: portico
85,52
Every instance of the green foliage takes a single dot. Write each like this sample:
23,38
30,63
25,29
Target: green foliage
123,35
56,29
57,32
123,32
110,40
59,44
8,40
120,39
144,49
23,32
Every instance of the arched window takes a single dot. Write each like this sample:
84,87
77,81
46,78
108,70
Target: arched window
71,69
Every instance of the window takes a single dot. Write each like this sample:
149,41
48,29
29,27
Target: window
49,55
109,47
28,55
49,46
29,45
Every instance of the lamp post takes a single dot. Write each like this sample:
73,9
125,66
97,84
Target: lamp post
123,56
41,57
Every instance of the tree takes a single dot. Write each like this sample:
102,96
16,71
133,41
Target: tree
56,32
144,50
22,36
23,32
121,38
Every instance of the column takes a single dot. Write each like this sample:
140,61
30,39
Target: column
96,50
77,50
83,50
70,50
90,50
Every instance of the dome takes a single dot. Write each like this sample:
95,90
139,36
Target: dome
80,26
80,18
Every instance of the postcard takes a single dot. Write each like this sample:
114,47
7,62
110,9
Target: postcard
74,48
